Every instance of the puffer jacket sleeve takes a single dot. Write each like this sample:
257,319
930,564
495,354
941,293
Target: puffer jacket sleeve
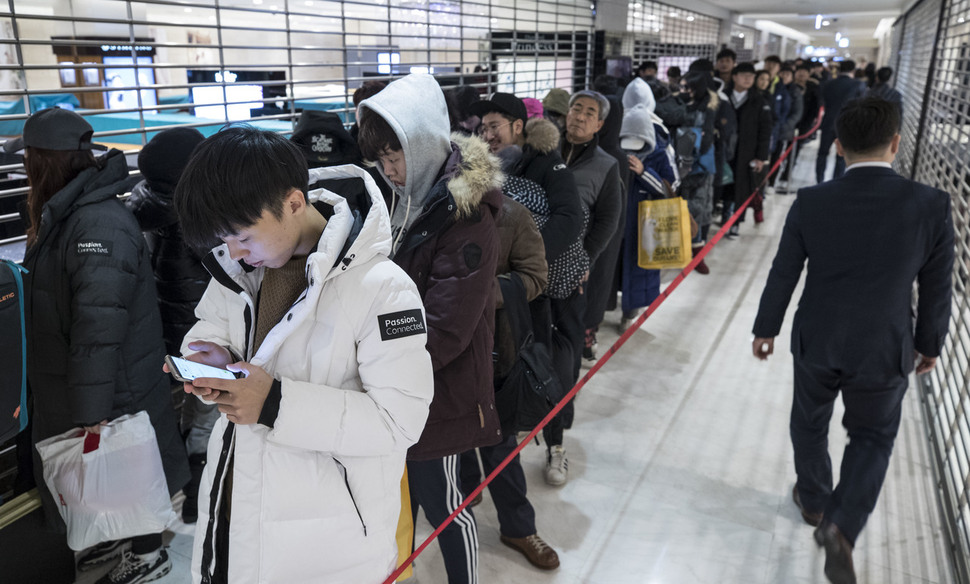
565,209
527,257
389,414
102,261
213,323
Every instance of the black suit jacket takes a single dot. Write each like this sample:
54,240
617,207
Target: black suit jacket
835,94
867,237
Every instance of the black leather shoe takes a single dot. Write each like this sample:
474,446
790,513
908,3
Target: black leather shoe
812,519
838,554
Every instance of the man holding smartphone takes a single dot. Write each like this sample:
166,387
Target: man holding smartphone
329,335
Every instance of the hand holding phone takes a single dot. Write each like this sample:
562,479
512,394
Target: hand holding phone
207,353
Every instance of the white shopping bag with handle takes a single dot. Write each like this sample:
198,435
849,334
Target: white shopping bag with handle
108,486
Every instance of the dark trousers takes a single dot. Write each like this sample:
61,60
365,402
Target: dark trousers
567,319
436,488
824,145
516,516
872,411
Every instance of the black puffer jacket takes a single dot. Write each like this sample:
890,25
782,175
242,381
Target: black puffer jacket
542,164
94,336
180,278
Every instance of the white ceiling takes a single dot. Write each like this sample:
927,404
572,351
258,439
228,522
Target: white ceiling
856,19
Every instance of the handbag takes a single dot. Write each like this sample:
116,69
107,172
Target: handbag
110,485
532,388
664,239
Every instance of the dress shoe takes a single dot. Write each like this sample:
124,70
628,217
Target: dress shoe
838,554
535,550
812,519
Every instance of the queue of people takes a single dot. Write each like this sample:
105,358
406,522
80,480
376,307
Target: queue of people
355,283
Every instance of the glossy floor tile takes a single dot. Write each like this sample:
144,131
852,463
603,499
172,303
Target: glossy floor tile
680,466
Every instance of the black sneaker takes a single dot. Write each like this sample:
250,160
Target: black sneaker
102,553
133,569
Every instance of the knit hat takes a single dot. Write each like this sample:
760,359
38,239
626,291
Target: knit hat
54,129
324,141
636,132
533,107
557,101
166,155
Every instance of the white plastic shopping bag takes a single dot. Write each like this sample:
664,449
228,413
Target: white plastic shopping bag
110,488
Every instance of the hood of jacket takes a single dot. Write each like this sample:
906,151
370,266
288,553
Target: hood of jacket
477,173
92,185
714,100
638,91
424,135
542,135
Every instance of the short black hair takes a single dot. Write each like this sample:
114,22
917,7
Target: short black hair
233,177
867,125
375,136
673,71
884,74
803,66
745,67
847,66
773,59
726,53
647,65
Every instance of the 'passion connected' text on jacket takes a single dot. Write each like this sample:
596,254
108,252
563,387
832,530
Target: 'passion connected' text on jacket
311,496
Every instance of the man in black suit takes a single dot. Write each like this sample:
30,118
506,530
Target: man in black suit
834,95
867,235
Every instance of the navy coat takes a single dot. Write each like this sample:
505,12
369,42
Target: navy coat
867,236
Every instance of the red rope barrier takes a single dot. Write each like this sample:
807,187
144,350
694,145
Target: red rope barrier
606,357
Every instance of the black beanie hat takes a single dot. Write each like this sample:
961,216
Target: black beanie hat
165,156
324,141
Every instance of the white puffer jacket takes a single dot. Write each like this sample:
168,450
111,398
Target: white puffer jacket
316,498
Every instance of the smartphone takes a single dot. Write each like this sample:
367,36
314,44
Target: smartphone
186,371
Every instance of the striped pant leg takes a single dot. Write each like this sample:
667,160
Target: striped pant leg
436,487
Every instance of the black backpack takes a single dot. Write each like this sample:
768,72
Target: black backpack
13,351
532,388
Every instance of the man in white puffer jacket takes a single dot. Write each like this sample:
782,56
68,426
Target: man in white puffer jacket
302,481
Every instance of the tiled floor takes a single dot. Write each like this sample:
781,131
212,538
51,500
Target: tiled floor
680,466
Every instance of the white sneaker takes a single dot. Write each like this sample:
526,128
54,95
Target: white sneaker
556,466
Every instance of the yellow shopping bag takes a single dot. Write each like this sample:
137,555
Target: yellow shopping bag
663,234
405,529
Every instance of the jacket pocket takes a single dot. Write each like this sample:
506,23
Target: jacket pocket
343,473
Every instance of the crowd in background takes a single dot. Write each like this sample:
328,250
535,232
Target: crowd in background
547,190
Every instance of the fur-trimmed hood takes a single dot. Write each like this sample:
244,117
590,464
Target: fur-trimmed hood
714,101
476,173
542,135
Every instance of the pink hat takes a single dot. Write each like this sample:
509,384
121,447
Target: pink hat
533,107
